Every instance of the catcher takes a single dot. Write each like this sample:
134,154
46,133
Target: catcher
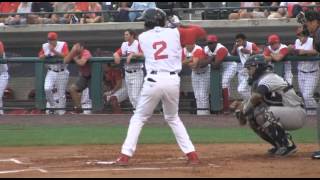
272,109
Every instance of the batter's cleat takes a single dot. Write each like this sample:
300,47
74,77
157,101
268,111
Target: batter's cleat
193,158
316,155
123,160
286,151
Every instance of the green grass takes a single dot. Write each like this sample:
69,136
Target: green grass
19,135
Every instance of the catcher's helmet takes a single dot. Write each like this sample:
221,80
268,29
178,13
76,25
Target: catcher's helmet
255,60
260,64
153,17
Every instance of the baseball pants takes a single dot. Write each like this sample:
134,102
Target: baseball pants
229,71
134,83
201,89
4,78
291,118
59,80
243,86
307,84
86,102
164,87
287,72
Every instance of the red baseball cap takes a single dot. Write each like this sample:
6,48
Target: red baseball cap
273,39
52,36
212,38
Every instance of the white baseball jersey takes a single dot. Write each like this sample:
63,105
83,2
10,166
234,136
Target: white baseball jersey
159,55
127,49
243,57
197,51
306,66
47,52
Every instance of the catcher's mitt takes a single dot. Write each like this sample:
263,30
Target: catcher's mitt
237,107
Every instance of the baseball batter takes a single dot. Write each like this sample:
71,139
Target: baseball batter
244,49
277,51
273,107
4,77
308,71
200,76
162,49
311,22
216,52
133,71
57,74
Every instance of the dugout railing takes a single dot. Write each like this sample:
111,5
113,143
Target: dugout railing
97,78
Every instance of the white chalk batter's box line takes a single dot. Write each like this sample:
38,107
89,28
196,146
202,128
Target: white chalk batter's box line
16,161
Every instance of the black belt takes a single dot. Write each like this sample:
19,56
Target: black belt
56,70
200,72
132,71
156,72
309,71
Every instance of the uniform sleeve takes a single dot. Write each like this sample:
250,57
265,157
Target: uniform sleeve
266,51
284,51
221,54
1,48
65,49
199,53
41,52
255,49
119,52
190,34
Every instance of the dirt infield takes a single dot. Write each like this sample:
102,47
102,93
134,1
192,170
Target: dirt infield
218,160
156,160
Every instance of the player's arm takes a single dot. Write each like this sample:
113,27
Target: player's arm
117,56
73,53
221,54
303,52
267,54
135,55
281,55
1,49
83,59
255,99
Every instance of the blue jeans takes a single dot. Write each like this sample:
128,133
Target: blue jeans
134,15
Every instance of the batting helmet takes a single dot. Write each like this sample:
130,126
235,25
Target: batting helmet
153,17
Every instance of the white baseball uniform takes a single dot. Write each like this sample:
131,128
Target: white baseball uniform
58,76
133,72
200,79
243,87
4,78
229,68
283,49
163,55
308,75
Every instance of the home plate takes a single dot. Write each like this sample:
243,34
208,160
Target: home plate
100,162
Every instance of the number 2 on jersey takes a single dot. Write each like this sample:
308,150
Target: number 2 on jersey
157,54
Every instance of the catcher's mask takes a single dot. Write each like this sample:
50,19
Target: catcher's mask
153,17
260,65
